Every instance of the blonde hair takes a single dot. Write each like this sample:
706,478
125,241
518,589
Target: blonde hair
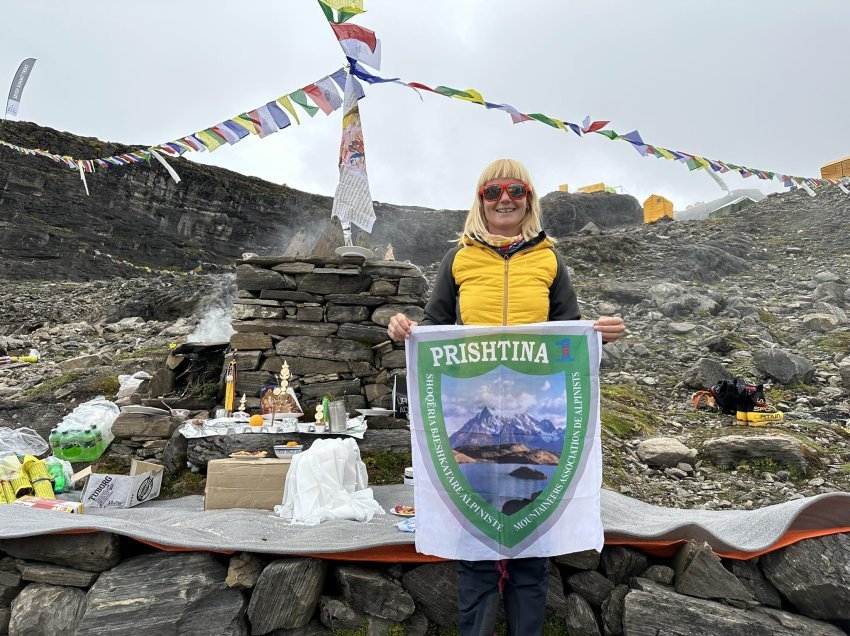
475,225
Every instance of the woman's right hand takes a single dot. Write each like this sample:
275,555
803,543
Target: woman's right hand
400,327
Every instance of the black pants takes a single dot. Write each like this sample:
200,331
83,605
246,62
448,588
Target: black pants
523,588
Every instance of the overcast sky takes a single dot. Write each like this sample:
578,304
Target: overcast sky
757,82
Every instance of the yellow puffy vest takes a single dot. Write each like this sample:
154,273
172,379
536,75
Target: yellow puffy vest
499,291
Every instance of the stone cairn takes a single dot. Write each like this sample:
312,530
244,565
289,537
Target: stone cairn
327,317
107,585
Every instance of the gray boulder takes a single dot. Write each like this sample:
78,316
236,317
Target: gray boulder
584,560
731,450
434,588
94,552
653,609
814,575
46,610
580,618
592,585
612,611
784,367
700,573
286,594
820,322
335,614
374,593
620,564
751,577
664,451
705,374
164,593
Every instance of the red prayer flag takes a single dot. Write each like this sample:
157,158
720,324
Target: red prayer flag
597,125
352,31
315,93
422,86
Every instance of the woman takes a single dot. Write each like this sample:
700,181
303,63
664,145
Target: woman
504,271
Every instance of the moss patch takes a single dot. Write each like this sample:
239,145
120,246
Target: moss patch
625,410
182,484
52,384
144,352
385,468
107,385
836,342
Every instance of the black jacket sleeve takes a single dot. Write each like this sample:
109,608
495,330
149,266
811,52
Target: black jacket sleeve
563,304
442,306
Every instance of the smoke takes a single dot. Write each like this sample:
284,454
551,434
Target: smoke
216,313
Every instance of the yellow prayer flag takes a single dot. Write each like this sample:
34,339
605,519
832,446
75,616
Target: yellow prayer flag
344,4
702,162
663,152
246,123
476,96
284,101
208,140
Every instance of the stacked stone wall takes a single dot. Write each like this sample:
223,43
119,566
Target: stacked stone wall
108,585
327,318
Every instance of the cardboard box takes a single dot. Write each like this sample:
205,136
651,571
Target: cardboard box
43,503
121,491
245,483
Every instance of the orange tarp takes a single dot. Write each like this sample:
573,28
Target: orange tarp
406,553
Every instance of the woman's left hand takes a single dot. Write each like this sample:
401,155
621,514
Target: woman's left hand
611,327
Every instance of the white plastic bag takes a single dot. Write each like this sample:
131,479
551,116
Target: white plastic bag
10,467
127,384
328,481
21,441
99,412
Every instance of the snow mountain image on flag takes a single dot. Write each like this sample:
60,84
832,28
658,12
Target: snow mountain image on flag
506,434
508,459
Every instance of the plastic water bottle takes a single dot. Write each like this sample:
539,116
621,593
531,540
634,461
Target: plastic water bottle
98,448
54,468
71,449
101,445
53,440
88,445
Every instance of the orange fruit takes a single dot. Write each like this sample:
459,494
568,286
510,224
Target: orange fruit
256,420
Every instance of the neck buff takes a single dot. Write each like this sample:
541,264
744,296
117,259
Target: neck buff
503,243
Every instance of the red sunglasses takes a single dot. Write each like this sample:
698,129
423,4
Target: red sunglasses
493,192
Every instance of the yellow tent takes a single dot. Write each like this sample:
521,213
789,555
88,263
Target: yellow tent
836,169
594,187
656,207
564,187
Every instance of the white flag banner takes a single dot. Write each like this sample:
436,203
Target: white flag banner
843,186
17,88
506,444
352,199
805,186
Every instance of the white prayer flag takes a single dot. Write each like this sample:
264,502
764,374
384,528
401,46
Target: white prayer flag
352,199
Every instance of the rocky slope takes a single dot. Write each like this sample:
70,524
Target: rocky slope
50,229
762,294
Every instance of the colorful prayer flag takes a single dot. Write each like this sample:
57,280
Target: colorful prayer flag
278,115
283,100
300,98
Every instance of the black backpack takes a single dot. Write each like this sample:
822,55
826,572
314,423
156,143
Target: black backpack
726,394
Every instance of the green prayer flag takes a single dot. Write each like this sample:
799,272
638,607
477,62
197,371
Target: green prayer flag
544,119
451,92
346,13
300,98
329,13
608,133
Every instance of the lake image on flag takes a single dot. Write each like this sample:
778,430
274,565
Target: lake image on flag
506,431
